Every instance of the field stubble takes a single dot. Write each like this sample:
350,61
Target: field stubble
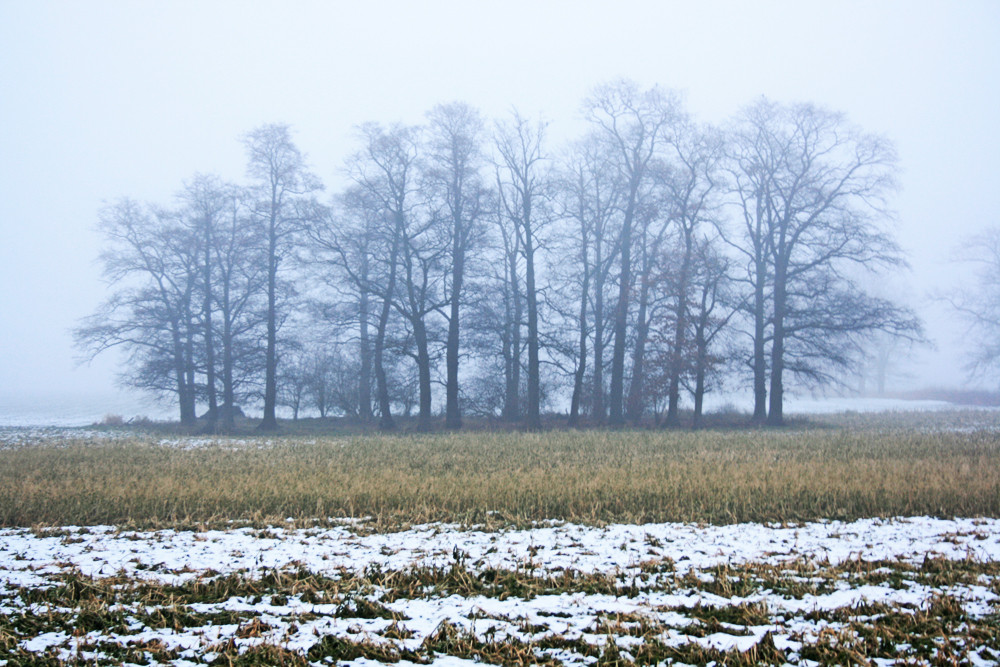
862,469
899,591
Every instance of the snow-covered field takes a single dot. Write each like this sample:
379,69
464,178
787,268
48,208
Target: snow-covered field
70,409
555,593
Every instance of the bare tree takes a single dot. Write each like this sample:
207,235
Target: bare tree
294,379
522,190
384,170
410,259
204,204
284,188
753,166
595,191
239,295
652,224
633,124
715,303
494,323
419,295
513,314
347,249
318,375
572,193
152,262
980,307
692,186
454,178
813,191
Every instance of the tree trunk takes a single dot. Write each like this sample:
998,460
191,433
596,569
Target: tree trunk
534,381
699,390
190,369
423,373
775,415
381,382
512,395
213,403
507,352
598,412
228,393
321,402
680,337
581,367
365,379
385,409
270,421
701,361
616,415
453,415
184,393
759,358
636,397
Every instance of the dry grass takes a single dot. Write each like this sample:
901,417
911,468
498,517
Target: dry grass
864,469
113,616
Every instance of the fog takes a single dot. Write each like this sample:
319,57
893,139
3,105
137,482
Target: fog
101,100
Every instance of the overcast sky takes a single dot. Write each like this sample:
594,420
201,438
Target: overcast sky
101,99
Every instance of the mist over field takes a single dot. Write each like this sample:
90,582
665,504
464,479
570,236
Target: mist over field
109,100
457,333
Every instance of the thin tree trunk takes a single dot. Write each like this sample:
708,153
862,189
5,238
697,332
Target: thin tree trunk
534,382
699,391
365,379
385,411
506,351
759,359
180,369
416,296
189,366
270,421
512,395
701,361
598,412
384,406
213,403
581,367
453,415
775,415
616,416
518,346
228,393
423,373
680,337
636,396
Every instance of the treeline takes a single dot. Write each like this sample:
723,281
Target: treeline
471,261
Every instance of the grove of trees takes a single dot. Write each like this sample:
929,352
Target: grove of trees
469,266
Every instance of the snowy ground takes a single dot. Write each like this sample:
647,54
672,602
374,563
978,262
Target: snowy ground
64,409
815,593
803,405
68,411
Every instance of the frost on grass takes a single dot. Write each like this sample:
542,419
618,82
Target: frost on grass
866,592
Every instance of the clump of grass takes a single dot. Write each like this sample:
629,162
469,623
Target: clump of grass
448,639
722,476
655,652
